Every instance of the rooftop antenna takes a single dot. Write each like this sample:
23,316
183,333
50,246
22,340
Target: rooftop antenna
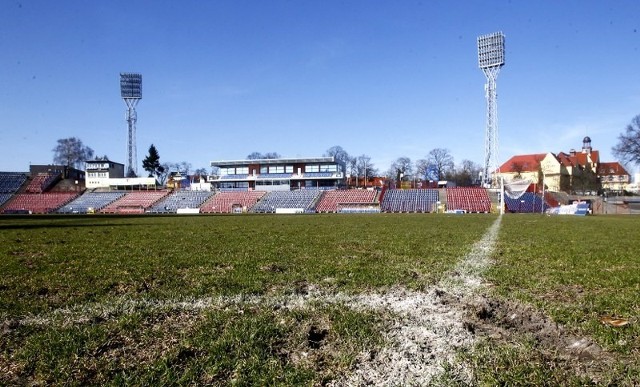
131,92
490,60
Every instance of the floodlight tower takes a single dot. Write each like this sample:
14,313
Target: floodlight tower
131,91
491,59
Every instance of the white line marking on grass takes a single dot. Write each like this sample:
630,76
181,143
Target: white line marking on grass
425,332
429,327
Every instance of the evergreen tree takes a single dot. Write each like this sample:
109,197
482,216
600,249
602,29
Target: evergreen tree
151,163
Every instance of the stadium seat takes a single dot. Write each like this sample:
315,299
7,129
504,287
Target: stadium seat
331,200
225,202
409,200
180,200
134,202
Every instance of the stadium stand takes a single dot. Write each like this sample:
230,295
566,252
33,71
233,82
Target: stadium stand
135,202
409,200
10,183
226,202
180,200
468,199
303,199
4,197
90,202
330,200
41,203
41,182
527,203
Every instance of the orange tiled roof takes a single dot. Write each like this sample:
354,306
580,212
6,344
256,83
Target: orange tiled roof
612,168
566,159
526,163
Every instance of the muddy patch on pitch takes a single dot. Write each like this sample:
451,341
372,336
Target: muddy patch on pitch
503,321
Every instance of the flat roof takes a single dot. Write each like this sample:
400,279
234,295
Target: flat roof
297,160
103,161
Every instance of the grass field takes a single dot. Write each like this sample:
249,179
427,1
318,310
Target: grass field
285,300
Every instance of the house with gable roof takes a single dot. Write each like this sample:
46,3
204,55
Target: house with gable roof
574,171
613,177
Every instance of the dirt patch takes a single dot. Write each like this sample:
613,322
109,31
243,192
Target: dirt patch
508,321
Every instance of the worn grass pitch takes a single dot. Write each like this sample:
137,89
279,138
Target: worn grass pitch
211,299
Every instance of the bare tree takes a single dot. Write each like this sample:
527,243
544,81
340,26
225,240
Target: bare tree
466,174
442,161
422,166
518,168
365,168
628,147
162,176
71,152
271,155
258,155
339,154
400,169
184,167
352,169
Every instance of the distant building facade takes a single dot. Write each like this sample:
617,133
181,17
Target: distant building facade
98,172
579,172
614,177
278,174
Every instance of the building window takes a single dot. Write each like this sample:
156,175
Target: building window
328,168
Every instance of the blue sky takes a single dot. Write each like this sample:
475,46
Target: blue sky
222,79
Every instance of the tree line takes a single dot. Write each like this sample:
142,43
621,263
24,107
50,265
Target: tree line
437,165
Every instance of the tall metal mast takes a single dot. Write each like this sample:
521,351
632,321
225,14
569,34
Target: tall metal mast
490,60
131,91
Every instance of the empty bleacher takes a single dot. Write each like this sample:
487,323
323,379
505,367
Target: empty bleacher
409,200
41,182
180,200
303,199
90,202
10,183
4,197
226,202
41,203
468,199
330,200
527,203
134,202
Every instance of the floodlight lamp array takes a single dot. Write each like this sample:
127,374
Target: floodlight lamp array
491,50
131,85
